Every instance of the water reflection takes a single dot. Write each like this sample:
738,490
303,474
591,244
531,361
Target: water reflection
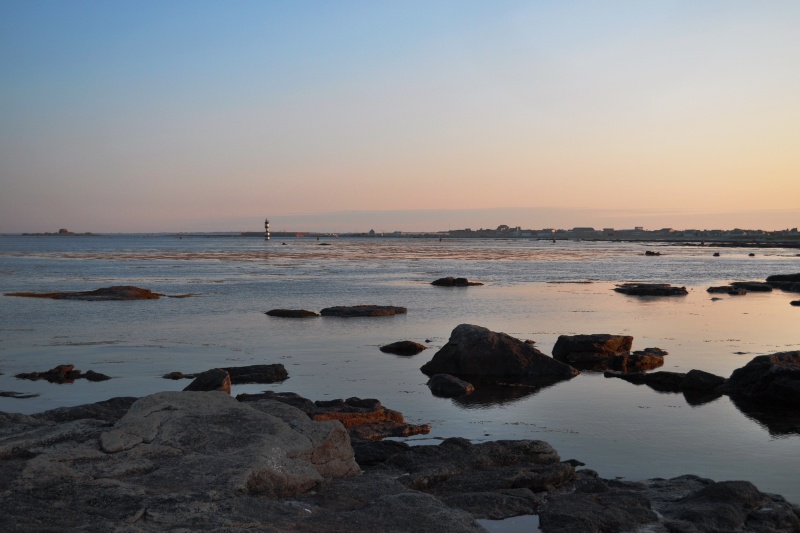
778,421
492,393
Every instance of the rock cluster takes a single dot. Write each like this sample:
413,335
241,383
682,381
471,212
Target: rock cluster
63,374
601,351
239,375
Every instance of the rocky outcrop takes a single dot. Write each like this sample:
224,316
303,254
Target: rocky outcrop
119,292
650,289
480,352
63,374
727,289
215,379
448,386
752,286
785,282
364,419
292,313
694,380
404,348
454,282
592,349
240,375
356,311
637,361
768,379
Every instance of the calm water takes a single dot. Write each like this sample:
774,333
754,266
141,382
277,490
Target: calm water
615,427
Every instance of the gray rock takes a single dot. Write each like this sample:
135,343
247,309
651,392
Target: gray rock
356,311
404,348
477,351
215,379
449,386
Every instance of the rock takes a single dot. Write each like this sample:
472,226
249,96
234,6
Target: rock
292,313
751,254
17,395
694,380
592,349
404,348
702,381
454,282
768,379
364,419
108,411
785,282
650,289
362,311
716,254
63,374
120,292
720,289
752,286
257,374
477,351
635,362
215,379
652,253
449,386
795,302
178,375
652,351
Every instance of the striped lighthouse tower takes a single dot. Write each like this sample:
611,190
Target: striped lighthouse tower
266,229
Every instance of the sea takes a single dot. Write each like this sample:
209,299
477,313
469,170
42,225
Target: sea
533,289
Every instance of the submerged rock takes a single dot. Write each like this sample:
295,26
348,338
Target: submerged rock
477,351
119,292
454,282
752,286
362,311
785,282
292,313
449,386
404,348
650,289
63,374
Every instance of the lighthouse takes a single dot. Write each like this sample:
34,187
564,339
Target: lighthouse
266,229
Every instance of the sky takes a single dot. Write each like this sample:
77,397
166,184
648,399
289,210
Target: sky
196,115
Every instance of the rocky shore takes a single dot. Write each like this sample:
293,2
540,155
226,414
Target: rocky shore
205,461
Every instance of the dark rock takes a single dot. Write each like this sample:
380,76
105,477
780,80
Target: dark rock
257,374
63,374
702,381
18,395
752,286
215,379
454,282
737,291
716,254
785,282
590,349
373,452
652,253
477,351
120,292
178,375
720,289
449,386
652,351
292,313
770,379
364,419
109,411
795,302
404,348
635,362
751,254
362,311
650,289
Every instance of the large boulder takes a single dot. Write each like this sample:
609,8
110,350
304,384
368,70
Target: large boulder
768,379
591,349
480,352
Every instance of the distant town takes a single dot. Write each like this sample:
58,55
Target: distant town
787,237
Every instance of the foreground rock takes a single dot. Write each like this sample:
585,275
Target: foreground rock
202,461
292,313
63,374
768,379
404,348
650,289
590,349
449,386
119,292
365,419
363,311
480,352
454,282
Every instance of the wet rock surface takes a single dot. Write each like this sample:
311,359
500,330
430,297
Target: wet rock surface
448,386
592,349
292,313
404,348
785,282
168,462
119,292
63,374
357,311
482,353
240,375
650,289
455,282
768,379
215,379
752,286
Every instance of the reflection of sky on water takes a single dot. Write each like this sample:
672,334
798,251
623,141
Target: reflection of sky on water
615,427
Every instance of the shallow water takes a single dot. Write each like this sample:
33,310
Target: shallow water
616,428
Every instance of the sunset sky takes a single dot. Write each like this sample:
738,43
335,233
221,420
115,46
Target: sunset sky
168,115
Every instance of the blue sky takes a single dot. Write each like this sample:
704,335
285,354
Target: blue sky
197,116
